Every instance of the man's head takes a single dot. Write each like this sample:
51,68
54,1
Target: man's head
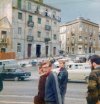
94,61
46,67
61,63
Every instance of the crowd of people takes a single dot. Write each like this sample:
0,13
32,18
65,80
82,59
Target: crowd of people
52,85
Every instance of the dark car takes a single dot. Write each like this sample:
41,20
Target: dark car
16,74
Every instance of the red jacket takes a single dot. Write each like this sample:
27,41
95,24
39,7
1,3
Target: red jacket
39,98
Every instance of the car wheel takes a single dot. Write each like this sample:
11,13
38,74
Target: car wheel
87,79
22,79
16,79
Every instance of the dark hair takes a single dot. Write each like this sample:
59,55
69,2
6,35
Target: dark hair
95,58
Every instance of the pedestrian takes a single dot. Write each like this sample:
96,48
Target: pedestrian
43,71
1,83
93,93
56,85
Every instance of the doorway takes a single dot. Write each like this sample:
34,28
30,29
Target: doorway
46,51
29,50
54,51
38,50
3,49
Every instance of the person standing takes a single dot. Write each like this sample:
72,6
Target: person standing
43,71
1,83
56,85
93,93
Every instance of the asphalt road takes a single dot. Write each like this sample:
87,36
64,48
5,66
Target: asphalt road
23,92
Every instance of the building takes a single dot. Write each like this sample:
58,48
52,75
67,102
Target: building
34,28
99,41
79,36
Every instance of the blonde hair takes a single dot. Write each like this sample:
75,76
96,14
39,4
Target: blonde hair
62,61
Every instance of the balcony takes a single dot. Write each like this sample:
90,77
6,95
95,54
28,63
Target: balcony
80,41
46,40
47,27
3,43
30,24
30,38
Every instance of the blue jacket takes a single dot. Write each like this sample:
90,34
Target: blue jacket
63,79
50,86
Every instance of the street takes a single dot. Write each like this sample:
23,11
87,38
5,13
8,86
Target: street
22,92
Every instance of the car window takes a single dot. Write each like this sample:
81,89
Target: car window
87,67
76,66
6,62
0,63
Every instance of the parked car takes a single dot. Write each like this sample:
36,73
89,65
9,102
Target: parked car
78,71
8,64
15,74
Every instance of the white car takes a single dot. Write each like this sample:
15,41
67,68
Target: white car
78,71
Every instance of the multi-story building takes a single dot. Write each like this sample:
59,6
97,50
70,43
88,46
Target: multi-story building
99,41
79,36
33,28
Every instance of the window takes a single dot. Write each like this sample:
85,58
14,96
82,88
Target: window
99,37
76,66
73,50
55,22
19,30
80,37
85,38
55,36
39,20
19,47
3,36
47,34
19,15
30,18
29,6
30,32
39,34
3,32
19,4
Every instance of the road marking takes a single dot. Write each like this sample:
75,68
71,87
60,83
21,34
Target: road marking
13,102
24,96
78,99
17,96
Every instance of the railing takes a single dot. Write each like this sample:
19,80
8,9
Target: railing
46,40
47,27
30,38
30,24
3,43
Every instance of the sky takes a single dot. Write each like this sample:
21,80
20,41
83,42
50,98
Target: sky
72,9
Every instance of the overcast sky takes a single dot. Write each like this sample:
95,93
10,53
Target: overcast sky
71,9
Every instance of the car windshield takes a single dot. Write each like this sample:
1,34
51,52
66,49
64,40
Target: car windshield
19,70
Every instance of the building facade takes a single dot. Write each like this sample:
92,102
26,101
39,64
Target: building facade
79,36
34,27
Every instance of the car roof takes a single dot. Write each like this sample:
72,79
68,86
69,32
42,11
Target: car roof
78,63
